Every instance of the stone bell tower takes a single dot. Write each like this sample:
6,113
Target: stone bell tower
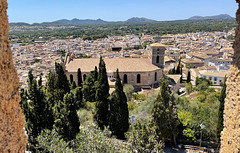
156,54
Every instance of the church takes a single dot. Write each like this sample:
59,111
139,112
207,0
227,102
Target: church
139,72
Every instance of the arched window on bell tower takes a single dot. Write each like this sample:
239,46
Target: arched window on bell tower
84,77
157,60
138,78
125,79
155,78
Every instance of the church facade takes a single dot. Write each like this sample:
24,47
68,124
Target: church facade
139,72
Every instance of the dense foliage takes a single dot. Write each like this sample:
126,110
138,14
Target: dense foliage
144,138
53,114
90,139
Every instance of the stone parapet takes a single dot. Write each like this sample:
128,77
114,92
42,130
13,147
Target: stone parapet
230,136
12,136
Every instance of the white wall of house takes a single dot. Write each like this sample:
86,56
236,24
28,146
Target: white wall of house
216,80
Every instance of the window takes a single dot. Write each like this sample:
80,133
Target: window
157,59
210,78
71,78
220,81
155,79
215,78
125,79
84,77
138,78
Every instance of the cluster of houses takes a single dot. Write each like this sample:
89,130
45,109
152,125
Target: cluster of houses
141,60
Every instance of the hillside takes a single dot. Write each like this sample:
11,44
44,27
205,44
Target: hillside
221,16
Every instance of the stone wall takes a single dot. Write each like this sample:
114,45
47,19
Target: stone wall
230,138
12,137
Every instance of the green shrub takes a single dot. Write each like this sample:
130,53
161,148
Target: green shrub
141,97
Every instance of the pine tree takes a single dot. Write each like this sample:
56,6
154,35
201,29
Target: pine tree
221,111
118,110
79,77
163,112
102,94
88,88
66,119
189,77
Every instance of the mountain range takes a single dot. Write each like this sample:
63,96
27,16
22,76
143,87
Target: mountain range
100,21
221,16
131,20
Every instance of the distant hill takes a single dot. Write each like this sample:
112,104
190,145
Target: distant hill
139,20
100,21
78,21
221,16
85,21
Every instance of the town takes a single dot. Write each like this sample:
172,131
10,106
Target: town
204,54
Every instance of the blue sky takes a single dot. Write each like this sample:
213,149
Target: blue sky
31,11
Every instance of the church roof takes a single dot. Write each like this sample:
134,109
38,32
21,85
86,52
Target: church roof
123,64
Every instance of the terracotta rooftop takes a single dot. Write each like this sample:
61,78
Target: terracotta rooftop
123,64
191,61
213,74
158,45
221,60
174,79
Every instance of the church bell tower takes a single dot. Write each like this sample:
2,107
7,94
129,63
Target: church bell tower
156,54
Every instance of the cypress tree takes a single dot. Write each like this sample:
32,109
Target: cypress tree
174,70
189,77
62,82
221,111
102,94
78,97
170,71
95,74
73,86
66,121
62,85
36,110
50,89
79,77
163,112
181,80
88,88
118,110
178,70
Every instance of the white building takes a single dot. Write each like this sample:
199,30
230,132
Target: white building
219,62
216,77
